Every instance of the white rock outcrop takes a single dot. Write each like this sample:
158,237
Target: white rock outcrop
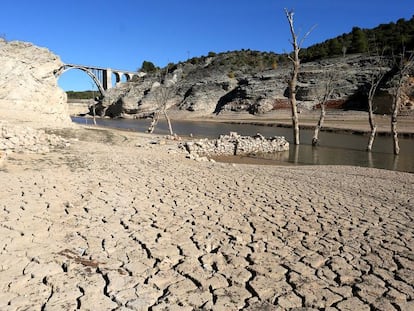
29,92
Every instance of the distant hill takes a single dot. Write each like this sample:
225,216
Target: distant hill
391,38
82,94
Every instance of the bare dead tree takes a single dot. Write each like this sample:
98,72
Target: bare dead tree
292,83
404,64
374,81
162,93
93,104
323,98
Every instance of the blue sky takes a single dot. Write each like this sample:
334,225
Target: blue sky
122,34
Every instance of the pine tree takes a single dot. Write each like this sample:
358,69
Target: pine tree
335,47
148,67
359,41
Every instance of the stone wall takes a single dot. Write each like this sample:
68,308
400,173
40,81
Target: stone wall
235,144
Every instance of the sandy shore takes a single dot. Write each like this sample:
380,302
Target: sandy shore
123,221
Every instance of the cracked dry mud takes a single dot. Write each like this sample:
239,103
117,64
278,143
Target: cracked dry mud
112,226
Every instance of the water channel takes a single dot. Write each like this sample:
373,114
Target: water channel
334,148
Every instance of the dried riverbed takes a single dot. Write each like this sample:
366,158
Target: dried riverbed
123,221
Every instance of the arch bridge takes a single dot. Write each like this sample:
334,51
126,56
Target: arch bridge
101,76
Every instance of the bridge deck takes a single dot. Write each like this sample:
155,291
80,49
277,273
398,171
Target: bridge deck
100,68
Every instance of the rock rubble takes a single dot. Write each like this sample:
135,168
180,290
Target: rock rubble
23,139
235,144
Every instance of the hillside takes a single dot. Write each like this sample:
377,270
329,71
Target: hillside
255,81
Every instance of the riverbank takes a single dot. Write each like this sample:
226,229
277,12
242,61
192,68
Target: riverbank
123,220
338,121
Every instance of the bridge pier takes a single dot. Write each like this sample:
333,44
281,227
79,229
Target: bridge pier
107,79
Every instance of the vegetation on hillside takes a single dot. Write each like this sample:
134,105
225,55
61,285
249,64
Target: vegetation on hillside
82,94
391,38
230,61
236,60
148,67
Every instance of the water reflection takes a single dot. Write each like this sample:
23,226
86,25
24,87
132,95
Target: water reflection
395,163
370,160
294,149
334,148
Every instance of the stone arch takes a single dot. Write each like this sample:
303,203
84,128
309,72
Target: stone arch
95,79
121,76
128,76
118,76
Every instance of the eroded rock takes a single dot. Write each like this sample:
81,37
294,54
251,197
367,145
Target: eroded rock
215,85
29,91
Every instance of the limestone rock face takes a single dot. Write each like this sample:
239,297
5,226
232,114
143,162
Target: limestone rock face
29,92
205,96
214,86
235,81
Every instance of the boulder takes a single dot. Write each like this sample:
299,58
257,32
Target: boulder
204,96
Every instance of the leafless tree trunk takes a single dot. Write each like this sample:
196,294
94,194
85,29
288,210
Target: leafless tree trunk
395,109
374,82
94,114
294,78
293,104
154,122
292,83
327,93
94,104
162,94
319,125
169,122
371,119
404,65
373,127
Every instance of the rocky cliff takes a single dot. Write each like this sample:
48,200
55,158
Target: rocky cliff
223,82
28,88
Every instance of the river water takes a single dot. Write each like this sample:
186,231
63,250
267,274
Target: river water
334,148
